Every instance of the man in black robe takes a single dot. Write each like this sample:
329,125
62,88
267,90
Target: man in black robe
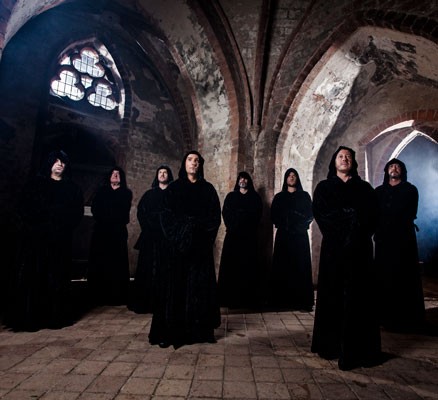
346,324
401,292
187,309
239,274
291,284
50,208
151,244
108,274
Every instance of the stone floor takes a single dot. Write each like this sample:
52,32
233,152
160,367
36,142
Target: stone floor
106,355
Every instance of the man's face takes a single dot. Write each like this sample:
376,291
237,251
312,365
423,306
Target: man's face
115,177
243,182
344,161
58,167
394,171
291,179
192,164
163,176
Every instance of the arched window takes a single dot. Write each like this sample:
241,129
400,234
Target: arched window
87,72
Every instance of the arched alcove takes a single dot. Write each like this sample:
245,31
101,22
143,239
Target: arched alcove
420,154
355,85
350,90
421,158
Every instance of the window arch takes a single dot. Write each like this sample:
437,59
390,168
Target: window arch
87,72
388,144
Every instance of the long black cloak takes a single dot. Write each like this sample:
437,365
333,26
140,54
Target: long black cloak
401,293
108,274
187,310
152,245
49,210
346,324
291,283
239,275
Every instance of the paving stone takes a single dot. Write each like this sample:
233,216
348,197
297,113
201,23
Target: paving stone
106,355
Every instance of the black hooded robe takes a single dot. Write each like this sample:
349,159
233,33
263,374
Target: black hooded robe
346,323
108,274
187,309
239,275
291,284
401,293
40,292
152,247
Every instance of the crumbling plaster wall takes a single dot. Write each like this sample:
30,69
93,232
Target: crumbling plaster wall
196,58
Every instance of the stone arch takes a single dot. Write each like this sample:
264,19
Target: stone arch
327,105
284,128
398,132
317,120
219,32
397,21
207,89
215,102
411,137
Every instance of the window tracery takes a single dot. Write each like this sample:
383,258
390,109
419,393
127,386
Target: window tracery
87,72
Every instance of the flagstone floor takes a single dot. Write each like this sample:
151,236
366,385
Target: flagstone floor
259,355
